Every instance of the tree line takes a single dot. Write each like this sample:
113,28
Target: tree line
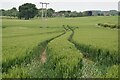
29,10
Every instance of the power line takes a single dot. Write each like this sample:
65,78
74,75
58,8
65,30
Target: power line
45,11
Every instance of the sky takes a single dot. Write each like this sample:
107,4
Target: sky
73,5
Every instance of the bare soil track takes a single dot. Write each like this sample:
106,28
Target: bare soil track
43,56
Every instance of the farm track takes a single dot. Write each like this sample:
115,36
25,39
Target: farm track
88,64
5,67
89,68
43,56
70,40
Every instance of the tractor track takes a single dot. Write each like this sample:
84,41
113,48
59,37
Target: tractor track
28,60
88,63
90,67
70,39
43,56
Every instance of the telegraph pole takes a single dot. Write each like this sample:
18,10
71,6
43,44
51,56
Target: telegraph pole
43,12
46,10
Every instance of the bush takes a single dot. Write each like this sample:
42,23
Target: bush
109,25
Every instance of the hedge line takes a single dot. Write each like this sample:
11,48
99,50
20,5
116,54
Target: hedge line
109,25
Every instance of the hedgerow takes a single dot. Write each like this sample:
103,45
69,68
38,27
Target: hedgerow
109,25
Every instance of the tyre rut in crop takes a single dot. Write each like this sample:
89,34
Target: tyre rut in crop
63,61
35,52
91,68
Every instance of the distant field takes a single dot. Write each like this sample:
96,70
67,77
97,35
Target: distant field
71,47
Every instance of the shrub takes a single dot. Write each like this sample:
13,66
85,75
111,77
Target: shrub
109,25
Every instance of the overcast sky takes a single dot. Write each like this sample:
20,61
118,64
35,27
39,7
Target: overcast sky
74,5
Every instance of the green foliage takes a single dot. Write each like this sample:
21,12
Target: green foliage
27,11
99,44
24,43
25,40
50,12
74,14
62,61
112,72
12,12
119,13
60,58
109,25
17,64
87,13
16,72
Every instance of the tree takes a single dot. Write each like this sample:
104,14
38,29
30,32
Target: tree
2,12
88,13
14,12
11,12
27,11
50,12
80,14
74,14
39,14
62,13
113,12
119,13
67,13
